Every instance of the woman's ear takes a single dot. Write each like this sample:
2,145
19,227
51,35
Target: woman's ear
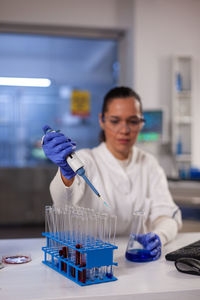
101,123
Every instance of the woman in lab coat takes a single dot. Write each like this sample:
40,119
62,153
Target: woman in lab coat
127,178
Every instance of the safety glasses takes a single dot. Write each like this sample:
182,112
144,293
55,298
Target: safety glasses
116,124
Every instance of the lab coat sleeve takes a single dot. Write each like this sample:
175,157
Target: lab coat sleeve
62,194
162,203
166,228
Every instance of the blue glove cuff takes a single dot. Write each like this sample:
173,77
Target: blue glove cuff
69,174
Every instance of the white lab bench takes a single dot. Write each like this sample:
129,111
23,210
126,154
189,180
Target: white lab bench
152,280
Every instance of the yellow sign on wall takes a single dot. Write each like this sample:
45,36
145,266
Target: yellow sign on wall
80,103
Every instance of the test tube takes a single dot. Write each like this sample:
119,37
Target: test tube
112,223
63,223
90,238
70,225
62,263
85,225
58,218
67,224
53,227
112,229
82,275
93,229
77,235
73,240
100,273
104,220
83,222
53,216
65,251
58,215
67,236
48,224
47,219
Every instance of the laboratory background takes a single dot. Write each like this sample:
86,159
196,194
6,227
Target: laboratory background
83,48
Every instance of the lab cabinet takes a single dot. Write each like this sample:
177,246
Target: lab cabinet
186,195
24,194
185,192
182,112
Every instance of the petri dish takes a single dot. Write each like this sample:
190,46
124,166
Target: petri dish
16,259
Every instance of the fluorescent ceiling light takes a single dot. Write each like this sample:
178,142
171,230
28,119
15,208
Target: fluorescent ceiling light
16,81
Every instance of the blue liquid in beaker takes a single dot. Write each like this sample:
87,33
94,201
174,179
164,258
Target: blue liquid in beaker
138,255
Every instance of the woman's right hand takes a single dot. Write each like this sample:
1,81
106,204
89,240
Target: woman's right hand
57,147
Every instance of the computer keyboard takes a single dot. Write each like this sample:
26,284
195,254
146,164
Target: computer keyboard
192,250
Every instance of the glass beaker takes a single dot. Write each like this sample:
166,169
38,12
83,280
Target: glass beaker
135,251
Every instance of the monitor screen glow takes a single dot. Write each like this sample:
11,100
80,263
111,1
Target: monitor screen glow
153,127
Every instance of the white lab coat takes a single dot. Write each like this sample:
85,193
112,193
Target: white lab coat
142,185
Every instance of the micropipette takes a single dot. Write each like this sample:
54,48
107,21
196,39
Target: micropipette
78,167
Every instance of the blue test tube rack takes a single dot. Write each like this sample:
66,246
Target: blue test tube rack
95,257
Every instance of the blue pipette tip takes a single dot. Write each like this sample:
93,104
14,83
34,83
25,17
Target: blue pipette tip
82,173
106,204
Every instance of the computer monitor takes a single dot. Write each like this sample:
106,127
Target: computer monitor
153,127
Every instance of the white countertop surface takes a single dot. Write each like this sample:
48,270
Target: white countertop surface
152,280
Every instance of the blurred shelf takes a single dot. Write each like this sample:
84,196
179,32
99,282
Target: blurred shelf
183,94
182,111
183,157
183,120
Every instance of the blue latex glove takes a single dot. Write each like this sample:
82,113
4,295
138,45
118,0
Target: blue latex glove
57,147
151,242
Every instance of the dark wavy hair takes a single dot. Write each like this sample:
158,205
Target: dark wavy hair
117,92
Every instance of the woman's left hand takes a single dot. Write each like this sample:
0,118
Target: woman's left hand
151,242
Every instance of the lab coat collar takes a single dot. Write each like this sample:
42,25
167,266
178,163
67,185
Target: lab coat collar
112,160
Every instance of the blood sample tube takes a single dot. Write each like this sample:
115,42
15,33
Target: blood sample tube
65,255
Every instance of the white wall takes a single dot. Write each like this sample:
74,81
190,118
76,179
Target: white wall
88,13
162,29
100,14
156,30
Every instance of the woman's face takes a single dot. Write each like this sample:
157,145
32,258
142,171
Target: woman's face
122,123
